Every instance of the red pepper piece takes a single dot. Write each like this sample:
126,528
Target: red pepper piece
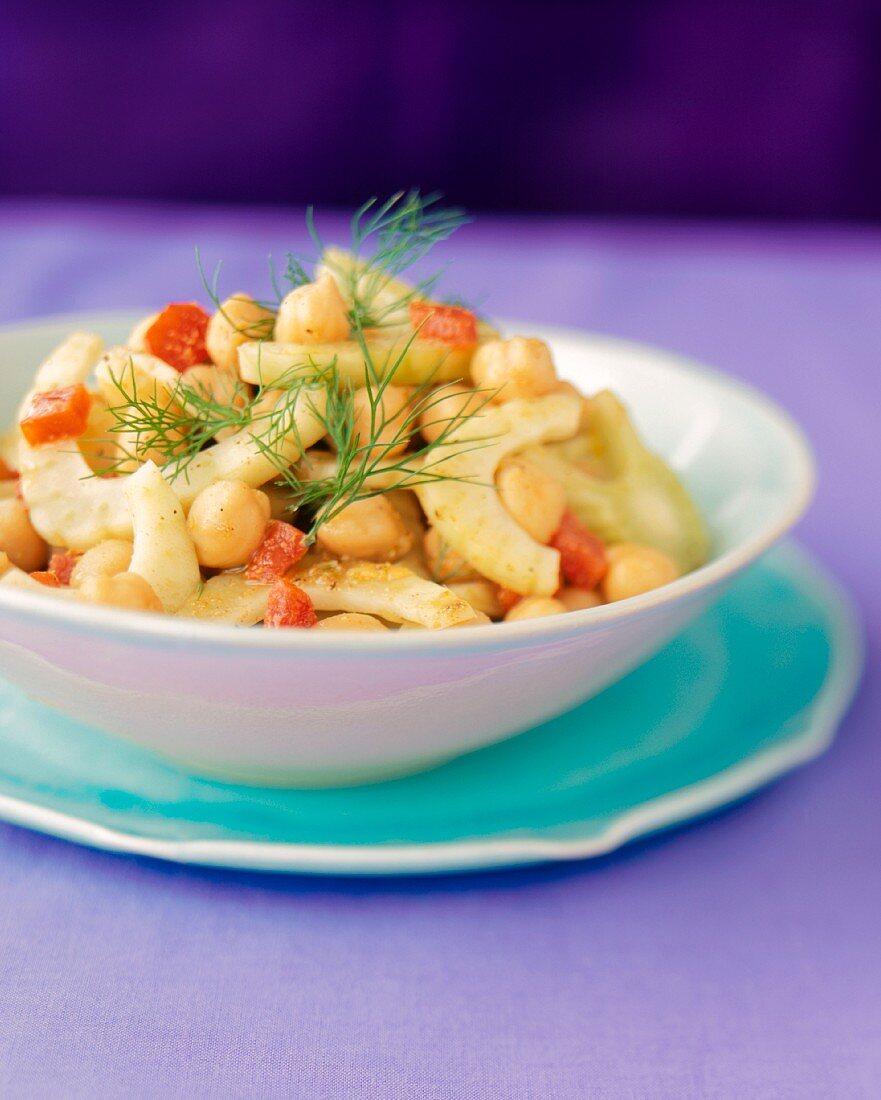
56,414
61,564
178,335
507,598
445,324
582,555
47,577
282,547
289,606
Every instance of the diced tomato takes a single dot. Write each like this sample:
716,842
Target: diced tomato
178,335
289,606
61,564
56,414
6,472
446,324
282,547
507,598
47,577
582,554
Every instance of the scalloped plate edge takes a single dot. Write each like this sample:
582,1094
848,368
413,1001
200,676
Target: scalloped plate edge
822,717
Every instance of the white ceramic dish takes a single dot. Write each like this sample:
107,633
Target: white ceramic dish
297,708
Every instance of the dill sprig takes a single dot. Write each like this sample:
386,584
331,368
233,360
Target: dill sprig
176,425
401,231
393,456
259,330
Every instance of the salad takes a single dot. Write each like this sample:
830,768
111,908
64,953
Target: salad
354,454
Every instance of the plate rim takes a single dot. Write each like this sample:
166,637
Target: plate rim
476,853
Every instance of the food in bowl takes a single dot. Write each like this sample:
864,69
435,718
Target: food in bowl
355,455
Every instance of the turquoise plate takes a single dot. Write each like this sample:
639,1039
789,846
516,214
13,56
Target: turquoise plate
752,689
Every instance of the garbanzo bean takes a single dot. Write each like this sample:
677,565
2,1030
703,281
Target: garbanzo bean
387,423
137,338
350,620
535,499
126,590
519,367
237,320
18,539
313,314
100,445
534,607
586,404
226,522
105,559
444,409
579,599
483,596
369,529
443,562
634,569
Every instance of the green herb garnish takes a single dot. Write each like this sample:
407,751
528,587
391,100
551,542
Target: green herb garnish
177,425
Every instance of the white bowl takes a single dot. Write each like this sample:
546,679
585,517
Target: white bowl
302,708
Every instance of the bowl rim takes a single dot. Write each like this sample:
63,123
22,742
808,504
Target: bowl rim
132,626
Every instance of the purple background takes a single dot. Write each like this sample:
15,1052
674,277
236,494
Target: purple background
732,107
740,957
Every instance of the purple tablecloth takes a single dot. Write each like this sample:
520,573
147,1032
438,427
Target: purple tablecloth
739,957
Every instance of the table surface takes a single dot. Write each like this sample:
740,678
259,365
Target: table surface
738,957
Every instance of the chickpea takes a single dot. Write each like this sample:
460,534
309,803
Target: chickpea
634,569
586,403
105,559
350,620
519,367
137,338
387,423
369,529
18,539
483,596
5,563
128,591
535,499
236,321
226,522
534,607
443,562
99,444
579,599
446,407
313,314
406,503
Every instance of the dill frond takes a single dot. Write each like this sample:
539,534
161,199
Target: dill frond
387,238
